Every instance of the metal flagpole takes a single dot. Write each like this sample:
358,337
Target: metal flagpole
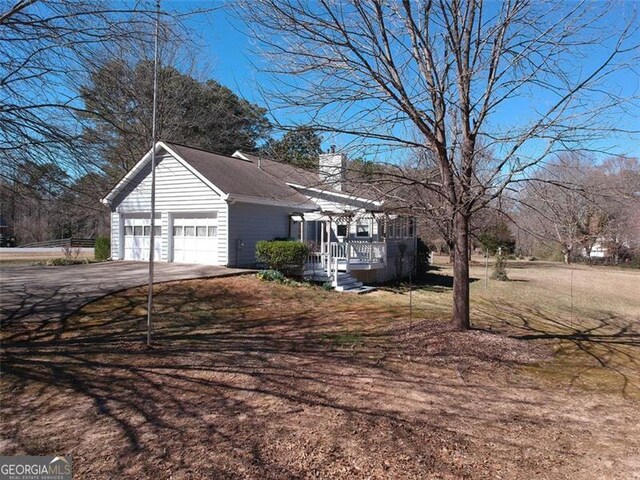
153,175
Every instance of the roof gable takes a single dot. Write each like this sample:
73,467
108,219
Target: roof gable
231,178
143,163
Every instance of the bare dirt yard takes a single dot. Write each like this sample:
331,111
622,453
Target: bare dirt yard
248,379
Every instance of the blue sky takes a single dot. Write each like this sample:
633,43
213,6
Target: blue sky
228,56
225,47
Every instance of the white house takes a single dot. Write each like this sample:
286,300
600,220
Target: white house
598,250
212,209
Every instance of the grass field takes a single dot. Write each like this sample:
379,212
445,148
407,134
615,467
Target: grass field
14,256
591,315
248,379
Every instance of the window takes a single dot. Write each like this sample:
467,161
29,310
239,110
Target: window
362,230
147,230
201,231
212,231
157,230
341,230
137,230
177,231
189,231
128,230
412,227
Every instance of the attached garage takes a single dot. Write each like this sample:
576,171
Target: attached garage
194,238
136,237
195,192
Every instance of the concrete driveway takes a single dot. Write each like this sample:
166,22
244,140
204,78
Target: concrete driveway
51,293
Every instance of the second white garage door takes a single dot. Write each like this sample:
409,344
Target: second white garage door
195,238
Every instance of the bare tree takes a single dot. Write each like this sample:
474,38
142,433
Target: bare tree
441,74
403,184
48,49
559,205
43,47
617,182
576,203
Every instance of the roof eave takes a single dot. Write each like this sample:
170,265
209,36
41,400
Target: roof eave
108,198
338,194
233,198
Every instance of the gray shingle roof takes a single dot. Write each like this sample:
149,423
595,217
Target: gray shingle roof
235,176
286,172
310,178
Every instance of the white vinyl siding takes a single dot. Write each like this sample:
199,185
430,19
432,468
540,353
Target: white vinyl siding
251,223
164,223
115,236
177,190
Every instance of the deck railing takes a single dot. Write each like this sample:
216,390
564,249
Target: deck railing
316,261
367,251
337,254
358,250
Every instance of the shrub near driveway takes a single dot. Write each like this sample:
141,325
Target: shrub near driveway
102,249
285,256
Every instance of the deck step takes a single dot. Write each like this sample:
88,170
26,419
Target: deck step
360,290
348,288
346,283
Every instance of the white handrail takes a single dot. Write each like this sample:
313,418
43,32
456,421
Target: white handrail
346,253
359,251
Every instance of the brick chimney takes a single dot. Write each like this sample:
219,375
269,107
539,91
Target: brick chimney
333,168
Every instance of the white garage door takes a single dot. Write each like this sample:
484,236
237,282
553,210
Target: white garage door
195,238
137,232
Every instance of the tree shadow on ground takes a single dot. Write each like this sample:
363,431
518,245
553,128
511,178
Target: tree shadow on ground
609,346
429,282
230,379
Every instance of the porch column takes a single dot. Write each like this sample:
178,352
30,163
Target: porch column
328,243
321,239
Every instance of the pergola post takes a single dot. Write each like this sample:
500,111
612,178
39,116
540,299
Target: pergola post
328,226
321,244
371,237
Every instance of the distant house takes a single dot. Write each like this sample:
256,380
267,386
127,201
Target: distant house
212,209
598,250
615,248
